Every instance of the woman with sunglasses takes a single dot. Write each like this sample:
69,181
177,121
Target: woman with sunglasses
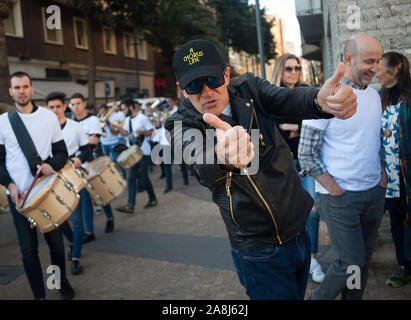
394,76
287,73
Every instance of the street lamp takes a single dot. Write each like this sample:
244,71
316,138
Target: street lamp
260,38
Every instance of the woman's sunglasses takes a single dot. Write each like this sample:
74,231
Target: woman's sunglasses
296,68
196,86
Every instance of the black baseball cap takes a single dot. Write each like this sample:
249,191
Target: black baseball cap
196,59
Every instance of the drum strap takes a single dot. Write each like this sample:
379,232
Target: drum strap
25,141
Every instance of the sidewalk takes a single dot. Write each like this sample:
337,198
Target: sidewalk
176,250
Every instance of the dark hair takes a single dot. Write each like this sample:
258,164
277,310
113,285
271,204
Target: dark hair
129,102
104,106
395,59
78,95
19,74
56,96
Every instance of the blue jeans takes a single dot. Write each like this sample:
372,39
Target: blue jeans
139,170
313,221
75,238
28,242
87,206
278,273
169,175
108,150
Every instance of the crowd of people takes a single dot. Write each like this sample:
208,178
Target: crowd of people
338,152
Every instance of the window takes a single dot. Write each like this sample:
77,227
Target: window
54,36
109,41
80,35
142,48
13,25
128,43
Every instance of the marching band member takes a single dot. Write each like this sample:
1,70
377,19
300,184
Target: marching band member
139,126
77,142
91,126
16,173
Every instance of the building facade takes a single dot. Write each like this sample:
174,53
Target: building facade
326,25
58,59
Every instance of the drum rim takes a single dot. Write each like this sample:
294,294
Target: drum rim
41,198
82,185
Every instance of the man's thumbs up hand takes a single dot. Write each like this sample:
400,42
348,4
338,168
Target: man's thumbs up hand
234,146
337,98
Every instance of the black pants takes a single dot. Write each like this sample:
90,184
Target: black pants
28,242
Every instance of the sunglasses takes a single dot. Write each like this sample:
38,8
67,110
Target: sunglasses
196,86
296,68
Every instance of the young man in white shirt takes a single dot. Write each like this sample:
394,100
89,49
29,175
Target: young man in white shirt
138,125
345,158
17,173
91,126
79,152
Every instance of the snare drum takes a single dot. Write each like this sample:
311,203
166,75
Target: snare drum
4,203
73,176
50,202
130,157
104,182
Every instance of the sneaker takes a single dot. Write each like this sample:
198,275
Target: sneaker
70,252
151,203
109,226
89,237
128,208
98,209
316,271
76,267
396,279
66,290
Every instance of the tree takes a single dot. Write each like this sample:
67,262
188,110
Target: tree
5,99
237,21
166,24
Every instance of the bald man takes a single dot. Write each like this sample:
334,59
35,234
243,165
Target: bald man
345,159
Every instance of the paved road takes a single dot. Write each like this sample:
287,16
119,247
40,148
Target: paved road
176,250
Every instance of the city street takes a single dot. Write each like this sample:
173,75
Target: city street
176,250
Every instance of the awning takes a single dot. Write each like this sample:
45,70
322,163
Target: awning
43,88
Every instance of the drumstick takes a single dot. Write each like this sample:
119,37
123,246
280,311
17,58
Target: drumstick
29,190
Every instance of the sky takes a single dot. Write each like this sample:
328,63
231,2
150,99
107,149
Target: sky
285,9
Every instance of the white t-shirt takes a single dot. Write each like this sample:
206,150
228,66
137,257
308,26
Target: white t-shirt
44,129
351,147
74,136
140,122
91,125
111,138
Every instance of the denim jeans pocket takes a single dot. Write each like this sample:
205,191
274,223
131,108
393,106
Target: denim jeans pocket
261,255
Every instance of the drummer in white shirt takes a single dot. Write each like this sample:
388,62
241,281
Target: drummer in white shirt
141,129
91,126
79,152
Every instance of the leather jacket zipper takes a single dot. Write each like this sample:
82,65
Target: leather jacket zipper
266,205
227,187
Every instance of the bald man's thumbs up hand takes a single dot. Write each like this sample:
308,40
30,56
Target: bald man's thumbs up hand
337,98
234,146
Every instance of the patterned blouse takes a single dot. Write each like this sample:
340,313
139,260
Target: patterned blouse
391,153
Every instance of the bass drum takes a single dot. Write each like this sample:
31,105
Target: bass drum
50,202
130,157
104,181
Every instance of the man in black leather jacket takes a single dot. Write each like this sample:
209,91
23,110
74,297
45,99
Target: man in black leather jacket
265,212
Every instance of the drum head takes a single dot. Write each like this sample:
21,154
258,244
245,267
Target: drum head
127,153
97,166
42,186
